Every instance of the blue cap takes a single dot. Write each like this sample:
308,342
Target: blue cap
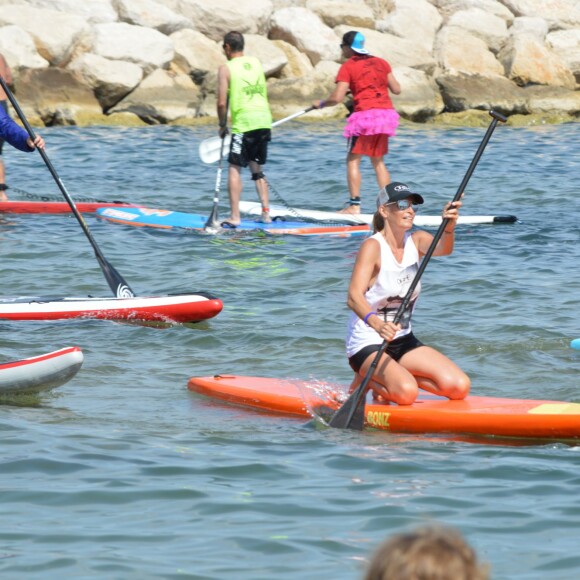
358,44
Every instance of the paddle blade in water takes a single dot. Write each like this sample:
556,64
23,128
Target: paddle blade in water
350,416
575,344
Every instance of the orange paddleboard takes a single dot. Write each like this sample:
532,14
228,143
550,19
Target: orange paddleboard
429,414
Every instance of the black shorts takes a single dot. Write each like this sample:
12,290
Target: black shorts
250,146
395,349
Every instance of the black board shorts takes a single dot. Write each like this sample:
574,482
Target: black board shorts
395,349
250,146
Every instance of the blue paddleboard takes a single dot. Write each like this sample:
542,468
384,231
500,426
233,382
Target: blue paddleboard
165,219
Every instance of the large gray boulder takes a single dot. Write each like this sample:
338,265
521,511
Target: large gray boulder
151,14
305,30
462,92
19,50
542,99
448,7
558,13
415,20
459,51
217,17
58,37
528,61
287,96
297,63
92,11
566,44
420,98
335,12
57,96
111,80
488,27
162,97
143,46
273,59
395,50
196,55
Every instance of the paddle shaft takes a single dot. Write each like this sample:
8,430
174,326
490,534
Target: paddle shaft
116,282
212,220
290,117
207,151
351,413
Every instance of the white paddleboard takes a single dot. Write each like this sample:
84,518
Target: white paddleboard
296,213
40,373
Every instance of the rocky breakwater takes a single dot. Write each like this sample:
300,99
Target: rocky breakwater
147,61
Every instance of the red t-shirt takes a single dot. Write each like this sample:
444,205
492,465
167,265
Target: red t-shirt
366,76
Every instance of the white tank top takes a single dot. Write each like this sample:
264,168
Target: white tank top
386,294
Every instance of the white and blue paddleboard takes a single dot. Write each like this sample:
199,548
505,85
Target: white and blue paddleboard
165,219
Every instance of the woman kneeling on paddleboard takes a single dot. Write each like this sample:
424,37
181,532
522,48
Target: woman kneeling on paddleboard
384,269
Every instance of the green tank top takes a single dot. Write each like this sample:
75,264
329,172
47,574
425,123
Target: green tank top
248,95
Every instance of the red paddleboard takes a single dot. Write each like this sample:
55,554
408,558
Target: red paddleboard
429,414
53,207
172,308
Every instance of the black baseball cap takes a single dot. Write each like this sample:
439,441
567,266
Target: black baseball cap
396,191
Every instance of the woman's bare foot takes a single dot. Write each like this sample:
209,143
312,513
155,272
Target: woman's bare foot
265,218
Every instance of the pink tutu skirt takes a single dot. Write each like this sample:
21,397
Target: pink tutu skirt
372,122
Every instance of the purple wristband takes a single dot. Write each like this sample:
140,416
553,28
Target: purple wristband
367,317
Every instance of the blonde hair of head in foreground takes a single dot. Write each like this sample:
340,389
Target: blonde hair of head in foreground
429,553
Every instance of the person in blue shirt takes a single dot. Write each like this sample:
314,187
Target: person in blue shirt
18,138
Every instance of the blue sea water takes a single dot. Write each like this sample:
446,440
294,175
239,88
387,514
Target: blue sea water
123,473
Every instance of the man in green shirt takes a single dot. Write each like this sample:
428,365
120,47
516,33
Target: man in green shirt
242,86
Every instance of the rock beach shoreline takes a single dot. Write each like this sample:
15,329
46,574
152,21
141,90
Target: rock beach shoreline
147,62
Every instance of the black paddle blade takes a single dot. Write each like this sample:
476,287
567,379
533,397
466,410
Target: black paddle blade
116,282
352,413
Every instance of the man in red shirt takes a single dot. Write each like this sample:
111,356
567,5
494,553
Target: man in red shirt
369,79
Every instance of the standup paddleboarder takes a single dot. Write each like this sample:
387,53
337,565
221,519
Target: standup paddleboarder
242,85
369,79
382,275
